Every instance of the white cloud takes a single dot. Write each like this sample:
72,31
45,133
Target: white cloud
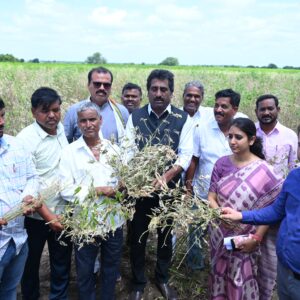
107,17
197,32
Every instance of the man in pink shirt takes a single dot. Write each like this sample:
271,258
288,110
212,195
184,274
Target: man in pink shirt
280,148
280,142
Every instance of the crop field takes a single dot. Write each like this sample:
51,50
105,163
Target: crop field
19,80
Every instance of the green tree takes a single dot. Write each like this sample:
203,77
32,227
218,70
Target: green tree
96,58
272,66
35,60
10,58
170,61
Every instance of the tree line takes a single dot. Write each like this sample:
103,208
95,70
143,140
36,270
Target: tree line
97,58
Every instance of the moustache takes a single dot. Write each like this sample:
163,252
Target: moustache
101,91
219,114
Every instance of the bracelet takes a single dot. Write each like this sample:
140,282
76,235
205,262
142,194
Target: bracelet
256,237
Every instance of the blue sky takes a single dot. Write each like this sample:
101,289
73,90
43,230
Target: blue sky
211,32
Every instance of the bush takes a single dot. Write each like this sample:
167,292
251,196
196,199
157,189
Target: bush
96,58
9,58
170,61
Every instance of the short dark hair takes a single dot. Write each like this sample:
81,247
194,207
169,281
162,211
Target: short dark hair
266,96
131,86
161,75
235,97
99,70
44,96
2,104
248,127
298,129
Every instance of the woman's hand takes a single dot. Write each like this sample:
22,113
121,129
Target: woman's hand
248,245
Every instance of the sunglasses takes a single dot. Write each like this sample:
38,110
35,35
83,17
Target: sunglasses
97,84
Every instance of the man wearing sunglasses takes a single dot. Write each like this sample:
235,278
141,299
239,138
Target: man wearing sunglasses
114,115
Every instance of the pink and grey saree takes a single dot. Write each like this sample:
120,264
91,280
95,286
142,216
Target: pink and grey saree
234,274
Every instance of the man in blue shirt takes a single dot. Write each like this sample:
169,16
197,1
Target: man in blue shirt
286,209
114,115
18,182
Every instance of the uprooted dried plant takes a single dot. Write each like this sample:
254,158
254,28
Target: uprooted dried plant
46,193
183,214
93,217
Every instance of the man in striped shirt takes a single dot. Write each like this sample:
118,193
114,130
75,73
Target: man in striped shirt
18,182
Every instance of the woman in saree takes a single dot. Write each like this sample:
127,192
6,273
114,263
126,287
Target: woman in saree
241,181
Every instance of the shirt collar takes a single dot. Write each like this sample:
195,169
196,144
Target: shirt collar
168,109
81,144
278,127
196,115
107,103
43,134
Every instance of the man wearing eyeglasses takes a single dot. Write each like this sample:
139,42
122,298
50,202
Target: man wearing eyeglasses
114,115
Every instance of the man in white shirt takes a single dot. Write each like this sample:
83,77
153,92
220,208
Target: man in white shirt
44,139
193,96
210,142
85,162
156,122
18,183
280,142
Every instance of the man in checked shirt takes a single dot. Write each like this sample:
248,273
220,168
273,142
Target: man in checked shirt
18,182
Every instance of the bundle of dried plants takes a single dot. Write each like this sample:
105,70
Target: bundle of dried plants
44,194
93,217
183,215
137,175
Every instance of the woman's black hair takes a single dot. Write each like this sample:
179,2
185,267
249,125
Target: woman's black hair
248,127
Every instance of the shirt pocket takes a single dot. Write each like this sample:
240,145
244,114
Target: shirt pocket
15,174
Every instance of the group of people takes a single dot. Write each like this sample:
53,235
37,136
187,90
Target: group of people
222,157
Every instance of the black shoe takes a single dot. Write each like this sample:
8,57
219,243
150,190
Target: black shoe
167,291
136,295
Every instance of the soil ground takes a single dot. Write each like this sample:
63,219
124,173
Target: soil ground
123,287
189,285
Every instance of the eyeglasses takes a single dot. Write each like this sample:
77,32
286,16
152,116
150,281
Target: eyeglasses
97,84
